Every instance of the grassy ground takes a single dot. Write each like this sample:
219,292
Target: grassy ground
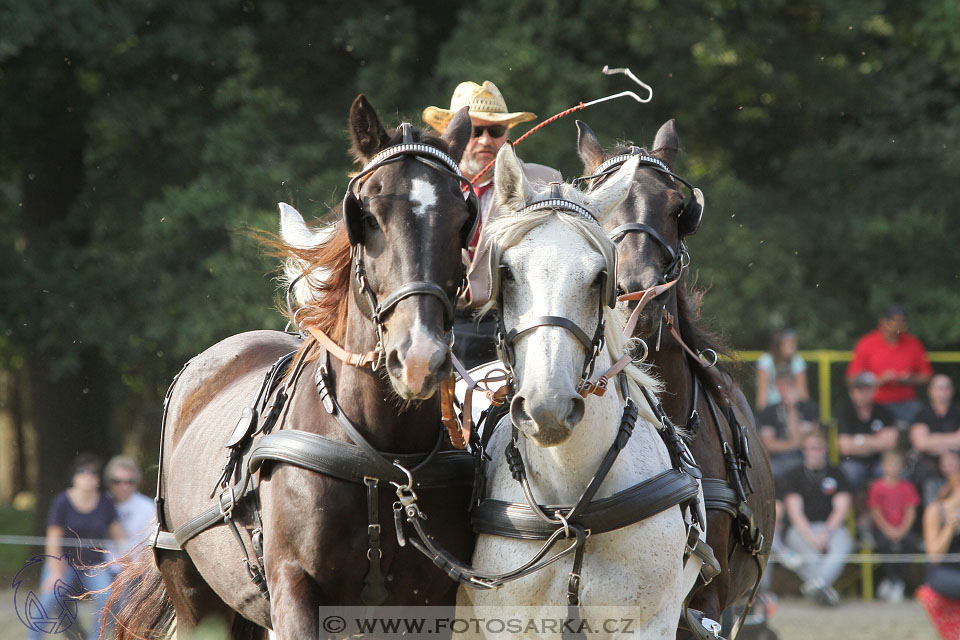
13,557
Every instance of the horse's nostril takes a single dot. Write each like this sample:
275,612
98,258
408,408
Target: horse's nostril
576,412
393,361
620,291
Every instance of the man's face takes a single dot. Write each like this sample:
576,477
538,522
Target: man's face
893,326
862,395
941,389
815,453
483,146
122,484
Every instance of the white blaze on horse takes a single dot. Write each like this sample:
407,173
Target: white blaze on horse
553,268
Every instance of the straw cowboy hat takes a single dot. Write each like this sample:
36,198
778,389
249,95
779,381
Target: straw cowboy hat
485,103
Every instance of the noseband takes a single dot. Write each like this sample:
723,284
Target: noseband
506,339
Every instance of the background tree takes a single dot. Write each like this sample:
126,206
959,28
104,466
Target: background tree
139,139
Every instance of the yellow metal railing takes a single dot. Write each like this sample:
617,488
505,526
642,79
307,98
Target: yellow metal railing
824,358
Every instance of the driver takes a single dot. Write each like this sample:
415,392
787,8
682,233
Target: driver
492,122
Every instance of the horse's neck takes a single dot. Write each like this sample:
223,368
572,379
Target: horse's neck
671,364
369,401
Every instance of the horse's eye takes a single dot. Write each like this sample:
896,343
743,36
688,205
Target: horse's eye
370,222
506,273
598,281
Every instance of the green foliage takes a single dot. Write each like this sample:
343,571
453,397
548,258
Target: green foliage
824,134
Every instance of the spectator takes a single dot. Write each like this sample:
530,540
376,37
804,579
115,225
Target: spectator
935,430
135,511
817,499
893,502
781,359
865,431
897,359
83,514
783,425
941,526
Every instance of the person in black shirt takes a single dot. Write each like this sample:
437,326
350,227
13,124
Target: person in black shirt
817,499
783,425
935,431
866,430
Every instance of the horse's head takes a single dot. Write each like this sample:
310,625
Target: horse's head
407,219
652,221
553,270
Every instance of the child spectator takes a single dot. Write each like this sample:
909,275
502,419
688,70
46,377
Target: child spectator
893,502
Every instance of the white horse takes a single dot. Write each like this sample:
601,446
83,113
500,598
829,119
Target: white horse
556,263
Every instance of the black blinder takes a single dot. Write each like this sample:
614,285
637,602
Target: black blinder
473,218
353,216
692,214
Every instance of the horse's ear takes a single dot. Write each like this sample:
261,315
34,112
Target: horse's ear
666,145
512,187
588,148
458,132
295,231
613,191
367,133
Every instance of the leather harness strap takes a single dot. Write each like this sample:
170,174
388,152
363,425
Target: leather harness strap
643,500
368,359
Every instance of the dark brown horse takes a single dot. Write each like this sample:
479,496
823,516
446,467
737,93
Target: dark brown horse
392,273
650,227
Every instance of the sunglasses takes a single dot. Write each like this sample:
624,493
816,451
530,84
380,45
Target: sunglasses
493,130
122,481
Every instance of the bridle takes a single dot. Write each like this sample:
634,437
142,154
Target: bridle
506,338
688,221
378,310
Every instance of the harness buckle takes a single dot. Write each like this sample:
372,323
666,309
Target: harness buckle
709,361
634,343
406,496
228,512
380,354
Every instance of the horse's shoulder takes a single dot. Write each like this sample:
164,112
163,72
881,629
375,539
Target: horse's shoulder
226,363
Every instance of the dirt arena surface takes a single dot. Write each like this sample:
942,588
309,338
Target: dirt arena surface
795,619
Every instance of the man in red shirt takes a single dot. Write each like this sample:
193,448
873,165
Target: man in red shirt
897,359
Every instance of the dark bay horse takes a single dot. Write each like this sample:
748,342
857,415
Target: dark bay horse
392,274
649,228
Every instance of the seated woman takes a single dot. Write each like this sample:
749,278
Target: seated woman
82,518
941,526
781,359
